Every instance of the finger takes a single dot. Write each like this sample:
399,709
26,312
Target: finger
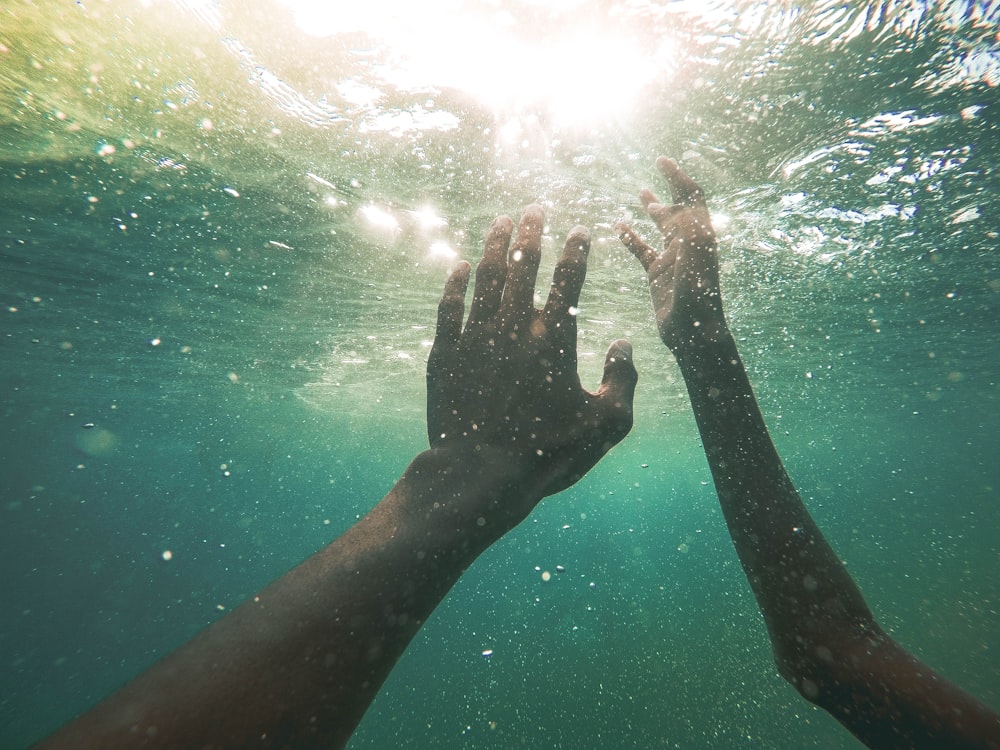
560,311
618,386
662,215
522,263
491,271
569,274
635,244
451,308
657,210
683,189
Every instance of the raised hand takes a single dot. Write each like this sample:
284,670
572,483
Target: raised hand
684,278
824,638
504,388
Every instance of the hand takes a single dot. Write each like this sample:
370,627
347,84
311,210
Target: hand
504,389
684,278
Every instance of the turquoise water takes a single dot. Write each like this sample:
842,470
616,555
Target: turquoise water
223,231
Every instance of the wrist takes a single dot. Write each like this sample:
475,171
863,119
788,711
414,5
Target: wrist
708,341
460,501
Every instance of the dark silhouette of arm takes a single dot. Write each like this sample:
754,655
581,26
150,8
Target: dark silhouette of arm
825,640
509,424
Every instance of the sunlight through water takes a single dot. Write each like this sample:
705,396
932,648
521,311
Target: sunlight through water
578,65
225,228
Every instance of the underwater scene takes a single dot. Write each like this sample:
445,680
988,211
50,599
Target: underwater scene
225,226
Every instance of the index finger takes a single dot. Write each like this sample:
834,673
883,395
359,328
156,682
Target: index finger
451,308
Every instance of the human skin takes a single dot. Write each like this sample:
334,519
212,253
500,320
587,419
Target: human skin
824,638
509,424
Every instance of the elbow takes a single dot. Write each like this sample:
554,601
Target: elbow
825,668
803,671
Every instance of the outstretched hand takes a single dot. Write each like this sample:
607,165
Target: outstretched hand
684,278
504,388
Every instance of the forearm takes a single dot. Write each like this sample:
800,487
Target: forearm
299,664
824,638
794,572
826,641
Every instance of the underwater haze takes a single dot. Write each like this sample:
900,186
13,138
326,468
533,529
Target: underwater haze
224,229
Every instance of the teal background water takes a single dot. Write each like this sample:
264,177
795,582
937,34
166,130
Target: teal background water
209,344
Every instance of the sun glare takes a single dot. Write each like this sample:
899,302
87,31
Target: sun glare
581,69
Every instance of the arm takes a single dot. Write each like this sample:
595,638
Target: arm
825,639
509,424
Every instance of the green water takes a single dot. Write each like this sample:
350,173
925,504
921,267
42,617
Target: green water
213,338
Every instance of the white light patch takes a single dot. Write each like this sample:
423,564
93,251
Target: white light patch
359,93
380,219
720,221
427,218
442,251
503,63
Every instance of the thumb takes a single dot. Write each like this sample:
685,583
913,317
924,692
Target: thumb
618,384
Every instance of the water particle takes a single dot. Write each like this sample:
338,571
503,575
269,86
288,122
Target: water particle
167,555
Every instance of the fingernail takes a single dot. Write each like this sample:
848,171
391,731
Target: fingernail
621,349
503,222
580,236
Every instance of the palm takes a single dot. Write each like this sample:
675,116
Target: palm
684,278
505,386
